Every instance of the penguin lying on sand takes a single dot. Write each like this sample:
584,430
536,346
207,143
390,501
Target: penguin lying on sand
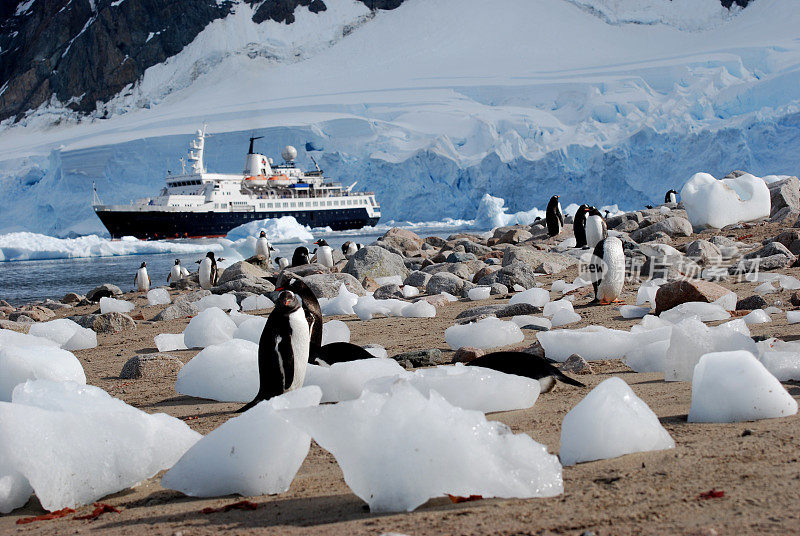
527,365
554,216
338,352
142,278
607,270
282,350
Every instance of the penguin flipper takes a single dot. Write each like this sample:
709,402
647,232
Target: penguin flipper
250,404
566,379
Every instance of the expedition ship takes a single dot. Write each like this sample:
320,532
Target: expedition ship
201,204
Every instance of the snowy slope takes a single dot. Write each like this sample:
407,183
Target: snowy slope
434,104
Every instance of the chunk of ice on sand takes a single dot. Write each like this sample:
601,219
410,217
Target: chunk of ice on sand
346,380
251,329
401,448
19,364
631,311
609,422
257,302
735,386
256,453
784,365
488,332
706,312
166,342
479,293
211,326
227,372
716,203
418,309
335,331
226,302
113,305
66,333
596,342
158,296
690,339
534,296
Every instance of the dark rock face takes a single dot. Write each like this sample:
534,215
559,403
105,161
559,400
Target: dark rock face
86,51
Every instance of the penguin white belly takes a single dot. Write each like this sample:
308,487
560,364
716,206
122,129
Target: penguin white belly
175,273
673,198
283,263
205,274
142,280
325,256
184,272
262,247
594,230
352,248
301,345
610,286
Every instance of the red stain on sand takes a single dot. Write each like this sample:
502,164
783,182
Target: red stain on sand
45,517
712,494
457,499
99,509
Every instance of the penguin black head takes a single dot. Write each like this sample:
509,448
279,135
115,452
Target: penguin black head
262,235
321,242
177,262
210,255
144,265
288,302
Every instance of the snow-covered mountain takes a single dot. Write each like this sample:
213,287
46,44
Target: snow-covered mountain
430,104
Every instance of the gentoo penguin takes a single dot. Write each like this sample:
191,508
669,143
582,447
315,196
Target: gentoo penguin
184,272
208,271
527,365
607,270
324,253
142,279
554,216
300,256
596,228
579,226
671,197
289,281
338,352
263,246
282,262
350,248
282,350
176,273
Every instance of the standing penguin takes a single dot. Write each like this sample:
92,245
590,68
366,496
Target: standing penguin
579,226
263,246
554,216
142,279
527,365
350,248
282,262
607,270
596,228
208,271
300,256
671,197
282,350
176,273
311,307
324,254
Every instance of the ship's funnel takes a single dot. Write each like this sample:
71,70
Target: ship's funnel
257,164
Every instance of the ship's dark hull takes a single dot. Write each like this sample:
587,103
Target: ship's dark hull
152,224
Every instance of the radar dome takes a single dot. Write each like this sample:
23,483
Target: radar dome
289,153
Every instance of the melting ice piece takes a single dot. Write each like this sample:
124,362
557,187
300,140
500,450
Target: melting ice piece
419,309
716,203
367,306
596,342
251,329
19,364
648,358
14,488
211,326
240,318
449,296
479,293
166,342
706,312
734,386
113,305
256,453
631,311
489,332
158,296
256,303
380,440
788,282
335,331
66,333
793,317
609,422
757,316
563,317
409,291
342,304
226,302
96,445
475,388
690,339
551,308
227,372
528,320
727,302
12,338
784,365
534,296
647,292
377,350
345,381
389,280
765,288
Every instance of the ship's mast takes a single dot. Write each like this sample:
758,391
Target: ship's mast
196,152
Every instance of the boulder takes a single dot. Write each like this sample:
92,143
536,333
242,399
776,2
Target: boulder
191,297
445,282
178,309
374,262
103,291
457,256
502,310
483,272
113,323
576,364
420,358
498,289
72,298
672,227
703,252
328,285
239,270
35,314
435,241
765,264
437,300
386,292
534,257
308,269
675,293
751,302
259,261
254,285
417,278
474,248
20,327
790,239
548,268
465,354
154,366
402,241
784,193
518,273
514,236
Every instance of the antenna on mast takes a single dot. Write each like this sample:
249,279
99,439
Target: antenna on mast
95,198
252,139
